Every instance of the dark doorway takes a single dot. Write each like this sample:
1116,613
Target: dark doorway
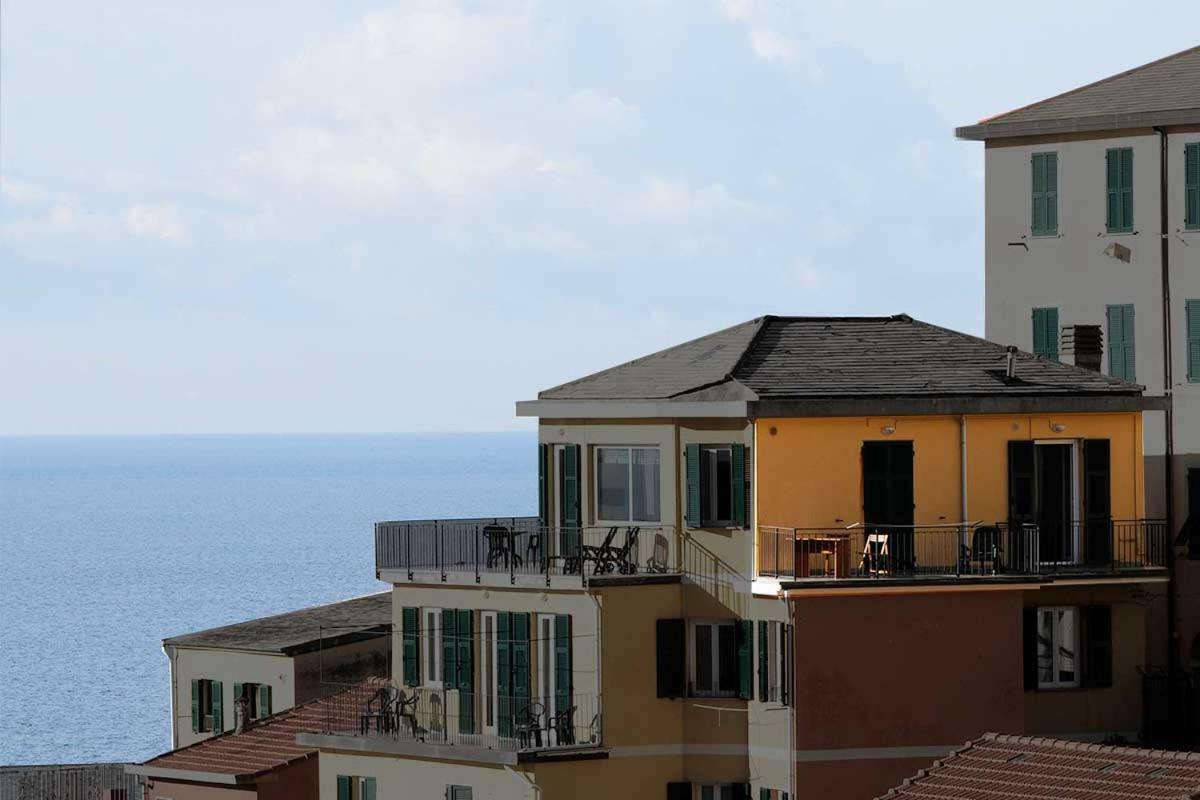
888,497
1191,525
1054,502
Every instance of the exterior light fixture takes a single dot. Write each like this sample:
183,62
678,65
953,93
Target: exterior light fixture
1057,427
888,430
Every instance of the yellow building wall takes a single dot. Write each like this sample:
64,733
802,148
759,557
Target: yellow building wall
809,470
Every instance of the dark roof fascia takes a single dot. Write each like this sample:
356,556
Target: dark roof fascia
984,131
935,405
352,637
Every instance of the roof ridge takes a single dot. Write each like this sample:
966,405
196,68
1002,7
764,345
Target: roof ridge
759,321
1069,92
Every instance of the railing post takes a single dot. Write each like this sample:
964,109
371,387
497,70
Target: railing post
512,557
475,547
408,549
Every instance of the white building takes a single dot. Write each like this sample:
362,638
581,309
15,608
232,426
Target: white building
1092,206
274,663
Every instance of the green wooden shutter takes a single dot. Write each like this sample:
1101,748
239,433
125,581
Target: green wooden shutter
218,709
504,671
1191,182
449,648
562,661
737,479
195,706
1045,333
1045,194
679,790
466,670
744,631
1121,349
692,467
763,661
368,789
764,793
1098,647
543,494
343,787
1192,313
570,515
264,701
1118,163
520,660
237,696
411,645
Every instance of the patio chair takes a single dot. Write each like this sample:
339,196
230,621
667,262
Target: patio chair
875,555
660,559
986,548
529,727
499,540
623,559
563,726
598,554
406,712
380,711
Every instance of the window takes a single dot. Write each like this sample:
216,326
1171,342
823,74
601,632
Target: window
252,699
1192,314
722,791
1119,175
1045,333
717,485
1191,186
354,787
1058,647
773,661
431,648
1045,194
458,793
714,659
1121,358
628,485
207,706
716,491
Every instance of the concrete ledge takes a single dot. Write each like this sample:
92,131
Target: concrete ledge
422,750
192,776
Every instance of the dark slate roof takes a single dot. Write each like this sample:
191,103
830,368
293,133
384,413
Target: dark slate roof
780,358
297,631
1162,92
1024,766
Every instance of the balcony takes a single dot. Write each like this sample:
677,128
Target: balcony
453,724
521,551
970,550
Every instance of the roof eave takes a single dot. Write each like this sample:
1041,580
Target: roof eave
631,409
999,129
932,405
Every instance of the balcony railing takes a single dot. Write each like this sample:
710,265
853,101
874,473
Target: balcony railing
966,549
465,719
522,547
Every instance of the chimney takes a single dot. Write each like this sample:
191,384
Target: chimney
1083,346
1010,370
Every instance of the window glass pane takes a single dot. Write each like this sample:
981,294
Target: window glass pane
706,793
612,480
727,669
726,791
488,704
1065,641
715,465
704,659
721,490
646,485
1045,657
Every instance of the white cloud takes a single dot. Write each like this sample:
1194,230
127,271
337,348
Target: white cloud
830,229
155,222
21,193
806,274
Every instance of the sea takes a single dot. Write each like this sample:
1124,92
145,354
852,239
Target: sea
110,544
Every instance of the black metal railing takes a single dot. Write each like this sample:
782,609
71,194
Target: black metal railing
522,546
961,549
378,710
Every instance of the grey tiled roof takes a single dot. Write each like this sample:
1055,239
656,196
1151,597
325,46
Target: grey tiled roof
1160,92
781,358
292,631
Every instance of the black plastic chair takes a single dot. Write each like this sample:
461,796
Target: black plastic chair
529,725
987,547
563,726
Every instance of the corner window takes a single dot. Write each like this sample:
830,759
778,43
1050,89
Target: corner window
1058,648
431,647
714,659
354,787
628,484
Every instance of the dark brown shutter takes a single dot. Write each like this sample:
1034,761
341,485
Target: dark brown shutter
670,643
1097,658
679,791
1097,502
1030,648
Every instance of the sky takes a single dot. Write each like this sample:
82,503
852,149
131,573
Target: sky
356,216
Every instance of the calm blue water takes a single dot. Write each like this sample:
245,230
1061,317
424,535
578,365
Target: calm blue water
108,545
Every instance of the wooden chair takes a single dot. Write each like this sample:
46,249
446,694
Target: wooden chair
876,555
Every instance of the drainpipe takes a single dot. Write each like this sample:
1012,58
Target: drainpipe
1168,383
599,662
795,695
169,651
962,443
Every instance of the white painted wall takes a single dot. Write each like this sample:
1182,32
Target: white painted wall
1071,272
409,777
229,667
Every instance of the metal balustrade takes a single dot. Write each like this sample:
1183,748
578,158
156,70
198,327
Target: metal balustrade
961,549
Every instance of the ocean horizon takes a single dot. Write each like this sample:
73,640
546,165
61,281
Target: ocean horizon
112,543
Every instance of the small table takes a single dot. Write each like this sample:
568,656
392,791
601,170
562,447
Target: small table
837,547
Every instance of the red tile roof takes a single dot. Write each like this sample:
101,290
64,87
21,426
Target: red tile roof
997,766
266,746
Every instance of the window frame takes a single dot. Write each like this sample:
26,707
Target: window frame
595,484
714,657
206,722
1054,682
432,676
459,791
719,791
711,485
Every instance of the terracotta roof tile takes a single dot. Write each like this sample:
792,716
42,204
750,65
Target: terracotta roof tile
1033,768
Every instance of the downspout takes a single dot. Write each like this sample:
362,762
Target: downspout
599,662
1168,383
169,651
795,695
962,443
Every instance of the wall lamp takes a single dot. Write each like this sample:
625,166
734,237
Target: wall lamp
888,430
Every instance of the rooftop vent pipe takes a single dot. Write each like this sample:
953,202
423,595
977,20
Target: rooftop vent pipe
1010,371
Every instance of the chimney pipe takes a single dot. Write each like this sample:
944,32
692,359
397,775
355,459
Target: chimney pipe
1010,371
